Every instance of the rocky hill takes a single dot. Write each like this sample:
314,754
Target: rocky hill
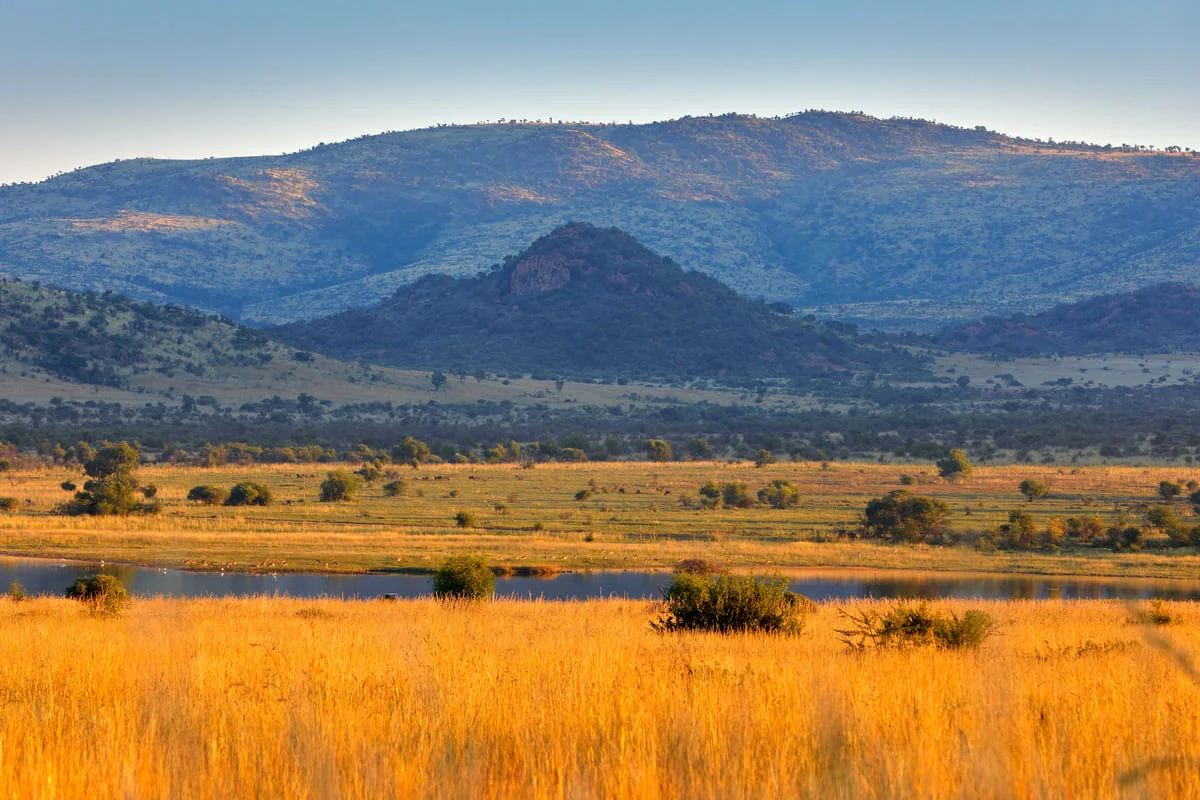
591,302
1160,319
899,221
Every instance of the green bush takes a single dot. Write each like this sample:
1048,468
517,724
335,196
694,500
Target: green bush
905,625
722,603
149,491
103,594
464,578
464,519
902,516
249,493
1033,489
710,496
779,494
68,486
394,488
208,495
736,494
338,486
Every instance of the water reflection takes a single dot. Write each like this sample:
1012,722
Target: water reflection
48,577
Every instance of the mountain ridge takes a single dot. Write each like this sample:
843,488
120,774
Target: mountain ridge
823,209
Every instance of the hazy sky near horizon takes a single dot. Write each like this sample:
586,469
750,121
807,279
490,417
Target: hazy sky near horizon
88,81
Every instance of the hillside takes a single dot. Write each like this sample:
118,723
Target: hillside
1160,319
881,220
586,301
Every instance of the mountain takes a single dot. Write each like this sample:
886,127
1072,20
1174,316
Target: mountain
890,221
1159,319
591,302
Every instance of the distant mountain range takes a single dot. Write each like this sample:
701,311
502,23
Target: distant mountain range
1159,319
591,302
891,222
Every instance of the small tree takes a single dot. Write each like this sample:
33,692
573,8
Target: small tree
249,493
954,466
764,458
658,450
1033,489
723,603
710,496
438,379
464,578
736,494
394,488
339,486
464,519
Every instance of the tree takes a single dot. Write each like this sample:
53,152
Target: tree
1019,532
658,450
411,451
736,494
1033,489
902,516
954,466
112,488
764,458
438,379
338,486
699,449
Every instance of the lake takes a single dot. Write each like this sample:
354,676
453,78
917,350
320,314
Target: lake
41,576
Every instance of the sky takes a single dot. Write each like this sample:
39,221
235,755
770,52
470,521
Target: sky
89,81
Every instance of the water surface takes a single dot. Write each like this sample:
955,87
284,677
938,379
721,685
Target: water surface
41,576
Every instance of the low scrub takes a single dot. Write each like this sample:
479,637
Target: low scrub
208,495
698,600
906,625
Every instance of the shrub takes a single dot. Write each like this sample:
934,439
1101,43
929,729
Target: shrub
338,486
394,488
68,486
103,594
954,466
583,494
464,578
9,503
1156,614
779,494
908,480
905,625
724,603
710,496
658,450
249,493
464,519
1169,490
149,491
17,592
736,494
208,495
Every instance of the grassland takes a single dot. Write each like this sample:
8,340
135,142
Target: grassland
632,516
288,698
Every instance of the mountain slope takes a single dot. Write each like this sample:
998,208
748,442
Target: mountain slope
1159,319
873,218
585,301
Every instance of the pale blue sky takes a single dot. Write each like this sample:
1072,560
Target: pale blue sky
87,81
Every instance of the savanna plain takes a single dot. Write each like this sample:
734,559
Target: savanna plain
275,696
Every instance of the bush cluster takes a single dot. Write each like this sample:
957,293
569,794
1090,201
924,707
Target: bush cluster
464,578
102,594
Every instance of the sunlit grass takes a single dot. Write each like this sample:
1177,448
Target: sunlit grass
298,698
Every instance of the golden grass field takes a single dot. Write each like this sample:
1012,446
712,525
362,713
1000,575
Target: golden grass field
531,518
301,698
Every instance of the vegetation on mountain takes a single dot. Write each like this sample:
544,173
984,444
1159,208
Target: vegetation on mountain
1158,319
882,217
587,301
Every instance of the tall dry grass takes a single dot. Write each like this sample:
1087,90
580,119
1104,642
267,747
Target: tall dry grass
272,697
